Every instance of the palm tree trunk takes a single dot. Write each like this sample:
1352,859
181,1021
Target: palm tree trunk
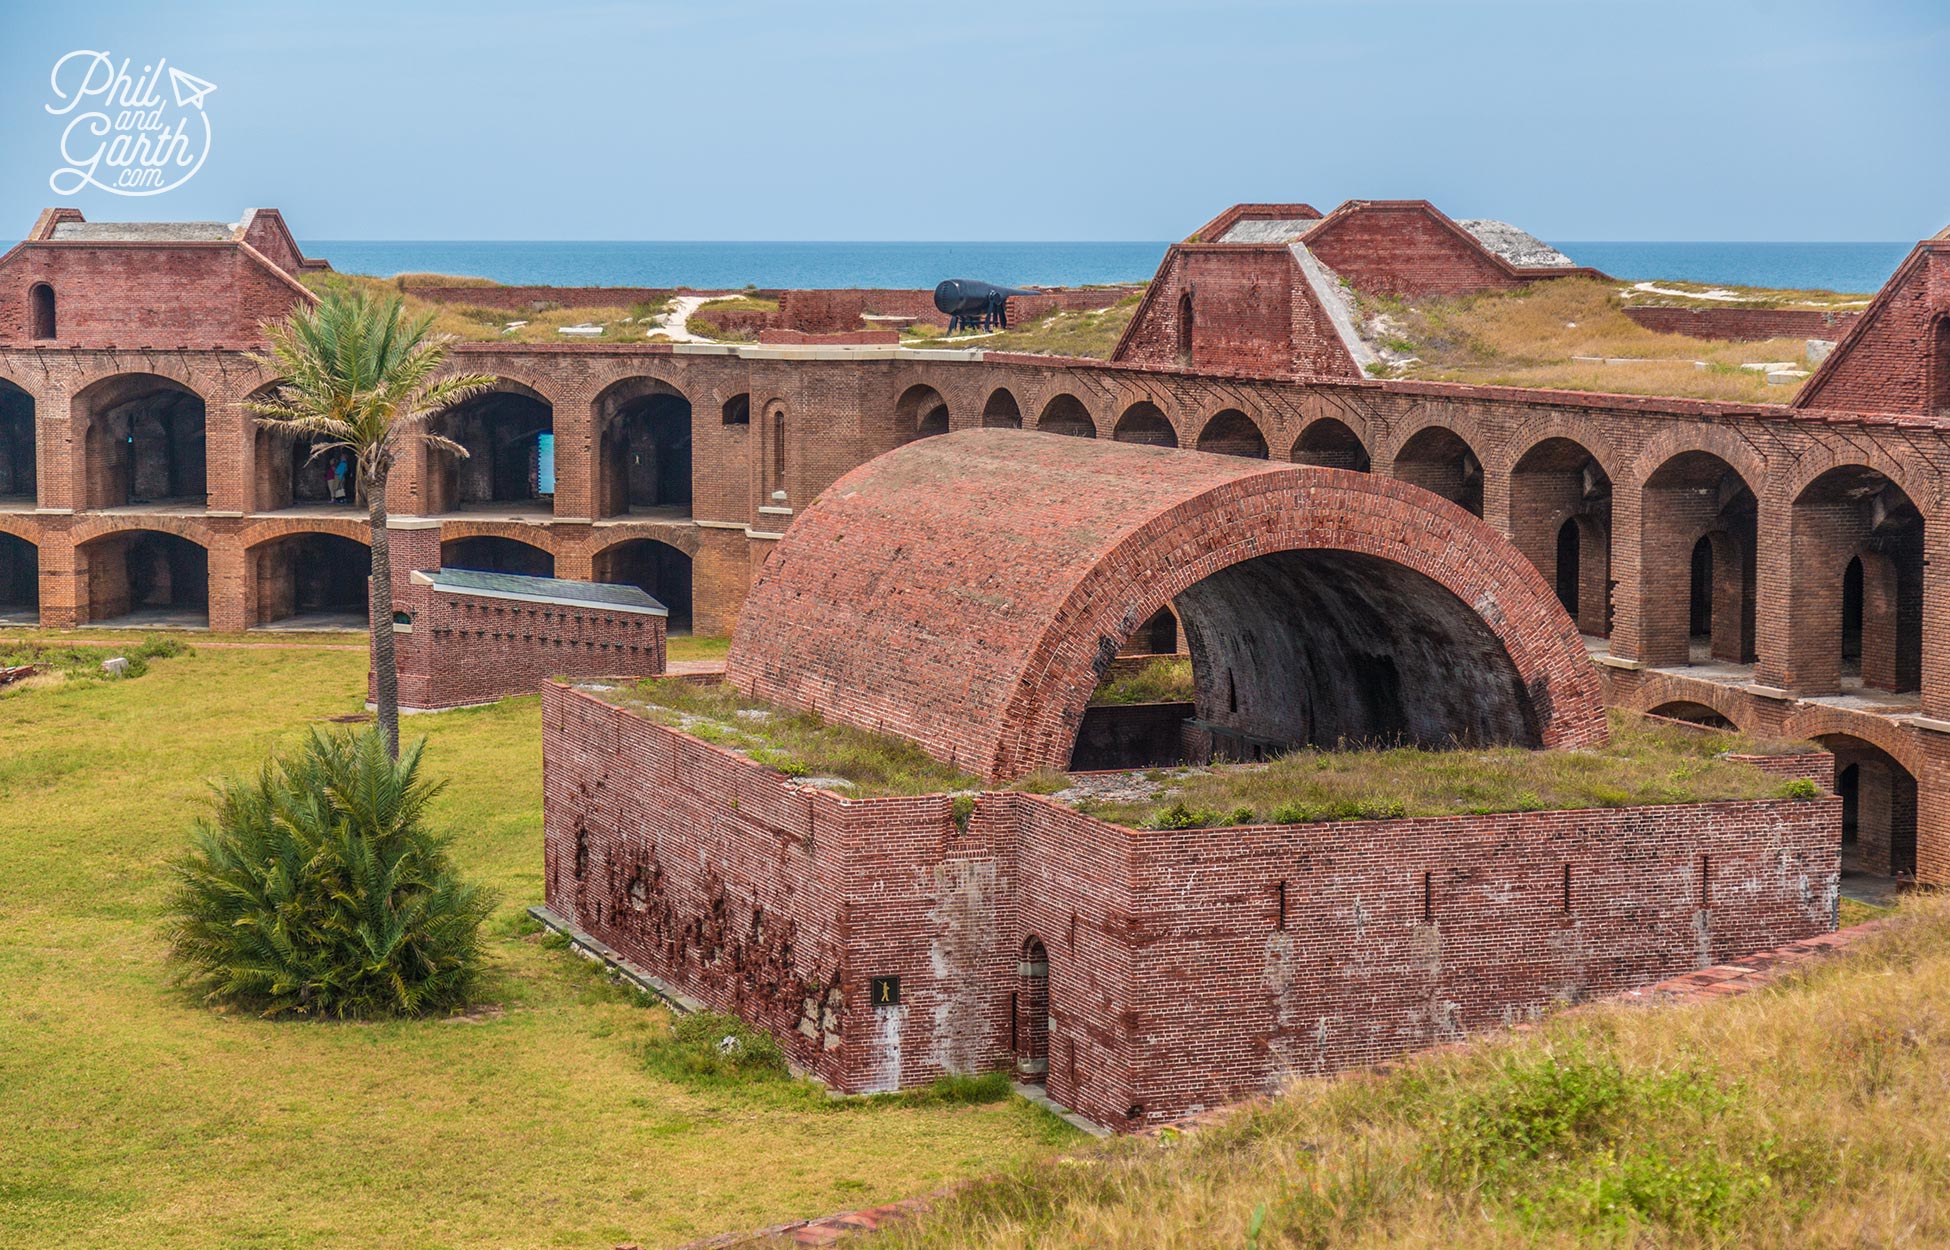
379,616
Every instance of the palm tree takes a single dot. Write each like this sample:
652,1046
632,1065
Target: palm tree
357,375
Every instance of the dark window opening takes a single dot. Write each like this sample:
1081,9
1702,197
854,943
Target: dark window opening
738,410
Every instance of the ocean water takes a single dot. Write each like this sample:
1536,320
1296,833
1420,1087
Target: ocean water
1828,266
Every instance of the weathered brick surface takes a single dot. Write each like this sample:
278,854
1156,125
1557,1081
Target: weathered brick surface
1052,553
1175,980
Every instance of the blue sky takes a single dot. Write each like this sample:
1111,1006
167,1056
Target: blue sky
1119,119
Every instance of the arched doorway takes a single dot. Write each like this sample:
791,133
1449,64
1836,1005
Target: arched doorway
1857,593
20,581
16,445
1698,536
311,581
1065,414
290,476
145,443
509,436
921,412
148,578
1145,423
646,448
1438,460
1330,444
1878,808
42,323
1001,412
1233,433
1560,518
1029,1013
491,553
658,569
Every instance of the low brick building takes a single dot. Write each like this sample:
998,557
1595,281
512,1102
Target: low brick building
1142,974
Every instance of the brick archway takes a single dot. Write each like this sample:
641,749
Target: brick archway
1005,571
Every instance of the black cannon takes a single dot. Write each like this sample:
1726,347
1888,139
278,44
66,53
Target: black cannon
973,305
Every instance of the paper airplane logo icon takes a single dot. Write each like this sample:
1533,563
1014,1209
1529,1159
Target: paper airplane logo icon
190,89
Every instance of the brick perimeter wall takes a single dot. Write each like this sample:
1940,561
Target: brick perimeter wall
1173,980
1745,324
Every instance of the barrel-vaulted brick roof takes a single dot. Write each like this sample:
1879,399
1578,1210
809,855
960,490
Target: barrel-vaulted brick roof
968,591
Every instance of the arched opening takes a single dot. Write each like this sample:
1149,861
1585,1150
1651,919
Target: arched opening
1157,636
1330,444
311,581
1029,1013
1693,714
1233,433
1001,412
41,324
1438,460
658,569
738,410
1184,327
1065,414
290,476
1144,422
145,443
1698,536
490,553
1857,593
921,412
645,459
1332,649
509,435
146,578
1560,518
1878,808
16,445
20,581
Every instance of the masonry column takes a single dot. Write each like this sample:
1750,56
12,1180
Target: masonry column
1933,811
229,586
1936,620
1627,558
64,581
578,438
229,454
61,440
1781,615
1496,511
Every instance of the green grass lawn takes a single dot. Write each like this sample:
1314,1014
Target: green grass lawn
134,1116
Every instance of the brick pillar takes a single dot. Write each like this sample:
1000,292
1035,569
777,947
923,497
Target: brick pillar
61,453
1936,626
64,582
229,587
1627,558
721,573
1933,812
1879,622
1499,493
229,443
1802,621
577,444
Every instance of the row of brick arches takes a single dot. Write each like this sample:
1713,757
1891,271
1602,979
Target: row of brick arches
146,442
144,577
1858,537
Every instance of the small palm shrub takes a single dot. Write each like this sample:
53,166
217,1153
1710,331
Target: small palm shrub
316,889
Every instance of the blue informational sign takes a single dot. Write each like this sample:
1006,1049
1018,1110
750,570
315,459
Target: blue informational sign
545,464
